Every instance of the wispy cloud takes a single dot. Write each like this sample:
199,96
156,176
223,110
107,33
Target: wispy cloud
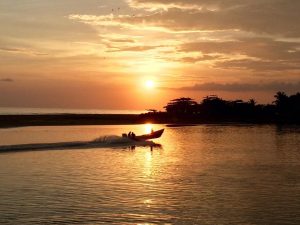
259,54
240,87
6,80
259,65
279,17
137,48
25,51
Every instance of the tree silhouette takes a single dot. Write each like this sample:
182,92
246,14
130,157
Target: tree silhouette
285,109
252,102
152,110
213,106
281,99
181,106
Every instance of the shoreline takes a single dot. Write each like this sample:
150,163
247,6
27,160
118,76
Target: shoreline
14,121
11,121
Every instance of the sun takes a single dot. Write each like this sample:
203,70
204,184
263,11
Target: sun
148,128
150,84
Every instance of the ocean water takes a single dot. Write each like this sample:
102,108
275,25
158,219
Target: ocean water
208,174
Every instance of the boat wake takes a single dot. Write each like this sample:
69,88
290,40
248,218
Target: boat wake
111,141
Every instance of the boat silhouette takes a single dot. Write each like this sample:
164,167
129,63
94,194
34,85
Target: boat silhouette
152,135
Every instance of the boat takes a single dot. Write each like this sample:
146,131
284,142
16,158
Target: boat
152,135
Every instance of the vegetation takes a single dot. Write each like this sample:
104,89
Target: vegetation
212,109
285,109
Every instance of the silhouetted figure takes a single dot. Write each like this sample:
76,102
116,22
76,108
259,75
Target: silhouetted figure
133,135
129,134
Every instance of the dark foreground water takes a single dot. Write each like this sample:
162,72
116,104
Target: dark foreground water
200,175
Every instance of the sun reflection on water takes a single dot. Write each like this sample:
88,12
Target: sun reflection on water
148,202
148,157
148,164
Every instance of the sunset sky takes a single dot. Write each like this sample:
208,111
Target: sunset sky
138,54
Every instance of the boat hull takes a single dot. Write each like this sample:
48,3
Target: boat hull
153,135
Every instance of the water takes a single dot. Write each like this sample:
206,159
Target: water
200,175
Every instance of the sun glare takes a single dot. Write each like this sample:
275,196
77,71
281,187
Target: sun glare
149,84
148,128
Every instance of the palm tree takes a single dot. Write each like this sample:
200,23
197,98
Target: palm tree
252,102
282,103
281,99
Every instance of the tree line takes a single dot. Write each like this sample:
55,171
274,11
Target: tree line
284,109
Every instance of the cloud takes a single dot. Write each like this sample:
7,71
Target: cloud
122,40
116,21
25,51
254,40
280,17
258,65
198,59
200,4
250,53
136,49
262,48
241,87
6,80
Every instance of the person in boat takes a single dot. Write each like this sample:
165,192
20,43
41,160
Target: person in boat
129,134
132,135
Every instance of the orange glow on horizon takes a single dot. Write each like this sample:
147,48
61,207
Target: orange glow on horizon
144,54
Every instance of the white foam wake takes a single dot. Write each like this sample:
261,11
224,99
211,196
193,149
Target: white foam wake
111,141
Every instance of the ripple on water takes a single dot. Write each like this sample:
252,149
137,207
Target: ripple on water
201,175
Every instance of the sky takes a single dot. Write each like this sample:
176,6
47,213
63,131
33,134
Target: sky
102,54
